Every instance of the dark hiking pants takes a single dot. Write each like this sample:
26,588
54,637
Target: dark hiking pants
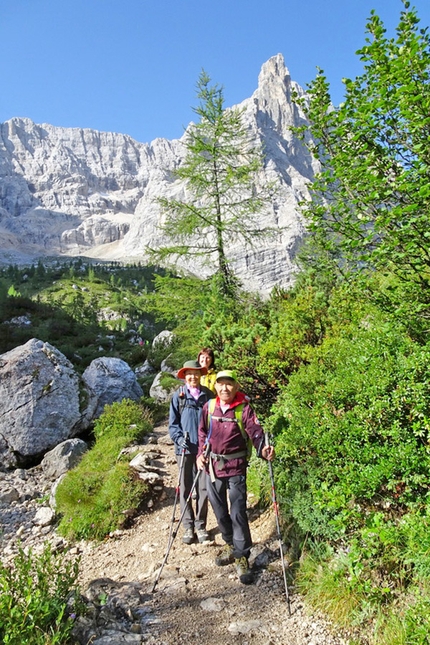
233,524
193,517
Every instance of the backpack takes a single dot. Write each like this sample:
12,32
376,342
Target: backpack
238,418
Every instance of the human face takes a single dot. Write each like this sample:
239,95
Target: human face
205,360
192,378
226,389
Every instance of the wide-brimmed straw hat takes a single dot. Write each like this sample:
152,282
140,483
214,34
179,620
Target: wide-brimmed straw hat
191,365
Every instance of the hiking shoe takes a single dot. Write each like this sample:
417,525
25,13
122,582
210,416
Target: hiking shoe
225,556
188,537
202,536
243,571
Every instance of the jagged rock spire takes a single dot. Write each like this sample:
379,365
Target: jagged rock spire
72,191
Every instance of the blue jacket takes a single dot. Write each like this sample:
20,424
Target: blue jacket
184,416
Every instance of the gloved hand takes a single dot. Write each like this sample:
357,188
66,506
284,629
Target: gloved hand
184,441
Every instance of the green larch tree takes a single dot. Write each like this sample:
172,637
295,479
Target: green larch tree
224,185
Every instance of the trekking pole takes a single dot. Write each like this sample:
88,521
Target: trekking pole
278,528
178,487
175,532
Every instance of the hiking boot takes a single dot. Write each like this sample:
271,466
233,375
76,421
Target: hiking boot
243,570
202,536
225,556
188,537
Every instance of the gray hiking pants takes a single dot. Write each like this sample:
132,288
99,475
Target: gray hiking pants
194,518
233,524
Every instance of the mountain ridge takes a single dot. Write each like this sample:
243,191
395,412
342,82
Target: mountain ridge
70,192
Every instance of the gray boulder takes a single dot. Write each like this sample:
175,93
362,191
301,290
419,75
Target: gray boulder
110,380
158,392
63,457
53,493
163,340
39,402
145,369
166,366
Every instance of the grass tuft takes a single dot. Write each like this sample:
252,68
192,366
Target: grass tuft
102,493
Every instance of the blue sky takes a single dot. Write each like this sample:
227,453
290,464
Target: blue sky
131,66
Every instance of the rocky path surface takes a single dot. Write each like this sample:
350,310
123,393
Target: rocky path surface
194,600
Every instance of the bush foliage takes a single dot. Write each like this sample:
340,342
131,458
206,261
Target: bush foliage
353,429
337,367
39,599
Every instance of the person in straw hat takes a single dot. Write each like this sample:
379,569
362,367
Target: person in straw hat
184,416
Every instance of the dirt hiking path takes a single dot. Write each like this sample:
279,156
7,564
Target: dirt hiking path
196,602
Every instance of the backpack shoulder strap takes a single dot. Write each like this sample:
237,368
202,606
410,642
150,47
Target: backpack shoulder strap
238,414
238,410
211,406
181,399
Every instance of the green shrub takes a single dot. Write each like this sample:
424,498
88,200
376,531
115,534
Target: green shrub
102,493
353,427
38,599
352,431
324,582
416,620
168,382
159,410
349,591
258,480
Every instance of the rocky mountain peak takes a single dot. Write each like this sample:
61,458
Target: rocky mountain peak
72,191
274,80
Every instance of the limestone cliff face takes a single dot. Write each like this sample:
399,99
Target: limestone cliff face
71,192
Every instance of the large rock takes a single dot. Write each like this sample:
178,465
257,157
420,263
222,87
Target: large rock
82,192
145,369
63,457
110,380
160,351
39,402
159,392
163,340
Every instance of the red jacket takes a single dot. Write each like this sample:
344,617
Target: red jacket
225,437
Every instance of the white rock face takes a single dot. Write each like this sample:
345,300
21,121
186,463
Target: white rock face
75,192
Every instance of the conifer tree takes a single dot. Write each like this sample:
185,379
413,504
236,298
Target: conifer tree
223,183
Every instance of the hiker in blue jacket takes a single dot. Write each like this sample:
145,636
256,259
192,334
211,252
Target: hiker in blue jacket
185,411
